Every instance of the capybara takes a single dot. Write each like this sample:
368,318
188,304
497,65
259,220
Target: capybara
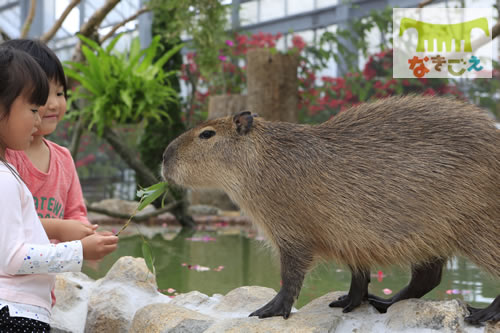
403,180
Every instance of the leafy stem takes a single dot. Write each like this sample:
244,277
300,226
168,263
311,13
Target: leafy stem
147,195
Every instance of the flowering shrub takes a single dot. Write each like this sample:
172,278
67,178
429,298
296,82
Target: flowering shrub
321,100
231,76
319,97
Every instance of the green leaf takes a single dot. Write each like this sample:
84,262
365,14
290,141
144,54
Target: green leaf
89,42
112,44
95,66
150,194
124,94
147,253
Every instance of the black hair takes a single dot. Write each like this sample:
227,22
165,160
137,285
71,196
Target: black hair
20,75
45,57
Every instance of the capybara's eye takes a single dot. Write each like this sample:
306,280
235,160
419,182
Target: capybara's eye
207,134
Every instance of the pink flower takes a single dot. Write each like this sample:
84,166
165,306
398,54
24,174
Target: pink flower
222,57
387,291
229,42
298,42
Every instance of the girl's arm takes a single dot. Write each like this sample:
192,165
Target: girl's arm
20,226
63,257
67,230
75,208
51,258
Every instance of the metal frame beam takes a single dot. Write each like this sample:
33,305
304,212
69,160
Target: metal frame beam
324,17
9,5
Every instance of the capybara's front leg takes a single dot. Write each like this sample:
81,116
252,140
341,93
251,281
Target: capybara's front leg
358,292
491,313
424,278
294,265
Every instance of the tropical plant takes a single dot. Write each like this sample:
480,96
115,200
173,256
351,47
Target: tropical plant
121,87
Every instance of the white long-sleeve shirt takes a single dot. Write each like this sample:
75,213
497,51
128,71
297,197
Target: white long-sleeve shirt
26,255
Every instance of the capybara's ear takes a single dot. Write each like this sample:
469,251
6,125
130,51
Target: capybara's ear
243,121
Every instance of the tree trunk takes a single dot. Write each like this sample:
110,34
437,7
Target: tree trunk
272,85
130,157
226,105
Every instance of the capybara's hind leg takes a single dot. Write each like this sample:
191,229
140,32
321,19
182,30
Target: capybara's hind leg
423,279
491,313
358,292
293,268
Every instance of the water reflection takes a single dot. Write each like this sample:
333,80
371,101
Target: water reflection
247,261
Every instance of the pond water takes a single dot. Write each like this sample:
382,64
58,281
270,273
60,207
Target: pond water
221,259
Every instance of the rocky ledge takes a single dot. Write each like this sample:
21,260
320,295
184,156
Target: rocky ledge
127,300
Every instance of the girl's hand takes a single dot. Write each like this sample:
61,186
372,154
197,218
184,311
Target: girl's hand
70,230
98,245
67,230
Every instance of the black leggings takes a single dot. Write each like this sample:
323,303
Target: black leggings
21,324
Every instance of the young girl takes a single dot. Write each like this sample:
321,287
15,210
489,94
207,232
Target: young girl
27,257
47,168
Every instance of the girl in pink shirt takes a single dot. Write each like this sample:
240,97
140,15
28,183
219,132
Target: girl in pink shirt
47,168
27,257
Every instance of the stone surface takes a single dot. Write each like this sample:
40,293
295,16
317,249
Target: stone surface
492,327
127,300
245,299
72,292
117,206
445,316
127,287
195,300
169,318
203,210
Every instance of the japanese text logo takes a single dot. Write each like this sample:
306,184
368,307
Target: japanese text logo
442,42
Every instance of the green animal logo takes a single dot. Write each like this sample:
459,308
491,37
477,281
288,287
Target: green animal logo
443,33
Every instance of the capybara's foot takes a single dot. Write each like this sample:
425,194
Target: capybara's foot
280,305
379,303
491,313
357,292
347,302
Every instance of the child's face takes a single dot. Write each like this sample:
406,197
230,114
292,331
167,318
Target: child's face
53,111
16,130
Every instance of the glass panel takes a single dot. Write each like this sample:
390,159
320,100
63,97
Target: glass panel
326,3
72,22
299,6
10,22
271,9
248,13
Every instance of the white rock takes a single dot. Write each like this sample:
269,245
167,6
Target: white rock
127,300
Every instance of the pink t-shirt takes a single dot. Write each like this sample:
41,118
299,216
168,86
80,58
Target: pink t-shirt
57,193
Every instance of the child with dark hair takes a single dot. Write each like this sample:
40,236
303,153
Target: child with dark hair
47,168
27,257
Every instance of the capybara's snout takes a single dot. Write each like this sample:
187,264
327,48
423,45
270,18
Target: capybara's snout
167,165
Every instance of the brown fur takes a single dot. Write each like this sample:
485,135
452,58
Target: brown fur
397,181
